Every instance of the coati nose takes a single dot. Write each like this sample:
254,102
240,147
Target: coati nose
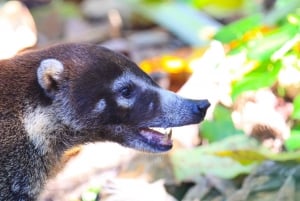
201,107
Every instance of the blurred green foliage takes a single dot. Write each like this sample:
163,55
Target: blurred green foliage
236,30
269,44
220,127
266,45
190,163
269,41
264,75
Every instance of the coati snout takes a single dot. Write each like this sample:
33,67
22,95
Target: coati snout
71,94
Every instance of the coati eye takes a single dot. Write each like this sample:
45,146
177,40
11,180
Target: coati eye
127,91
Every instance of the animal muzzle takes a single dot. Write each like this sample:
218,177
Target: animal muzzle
183,111
200,107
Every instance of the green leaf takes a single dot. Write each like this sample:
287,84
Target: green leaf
227,159
218,130
248,156
189,164
295,130
221,127
236,30
262,49
229,4
284,156
264,76
296,105
245,157
222,113
293,142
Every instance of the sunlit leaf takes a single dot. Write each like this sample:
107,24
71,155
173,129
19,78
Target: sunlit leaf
258,155
218,8
230,4
262,48
245,157
264,76
236,30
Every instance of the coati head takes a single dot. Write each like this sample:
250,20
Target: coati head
98,95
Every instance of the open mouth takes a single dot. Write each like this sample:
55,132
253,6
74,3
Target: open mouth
157,137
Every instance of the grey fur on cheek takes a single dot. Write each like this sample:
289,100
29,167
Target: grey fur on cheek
100,106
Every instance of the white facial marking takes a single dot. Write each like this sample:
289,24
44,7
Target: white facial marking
129,77
38,124
172,109
49,68
151,106
122,81
124,102
168,98
100,106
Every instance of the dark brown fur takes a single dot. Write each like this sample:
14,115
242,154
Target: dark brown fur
89,72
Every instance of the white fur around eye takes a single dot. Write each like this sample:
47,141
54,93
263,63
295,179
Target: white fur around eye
100,106
122,81
125,102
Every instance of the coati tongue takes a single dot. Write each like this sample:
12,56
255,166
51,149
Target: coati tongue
157,138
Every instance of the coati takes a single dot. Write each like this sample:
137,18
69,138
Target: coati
71,94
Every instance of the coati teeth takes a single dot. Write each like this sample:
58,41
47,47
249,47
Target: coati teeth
165,139
164,131
170,133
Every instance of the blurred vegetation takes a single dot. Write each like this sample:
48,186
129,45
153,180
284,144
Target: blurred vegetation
267,35
269,41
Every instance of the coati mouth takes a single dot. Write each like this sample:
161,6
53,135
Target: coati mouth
159,138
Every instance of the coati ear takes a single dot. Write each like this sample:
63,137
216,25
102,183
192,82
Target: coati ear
49,73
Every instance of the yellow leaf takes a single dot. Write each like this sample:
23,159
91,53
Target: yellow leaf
244,157
228,4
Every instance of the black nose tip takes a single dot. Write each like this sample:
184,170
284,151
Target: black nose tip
201,107
203,104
